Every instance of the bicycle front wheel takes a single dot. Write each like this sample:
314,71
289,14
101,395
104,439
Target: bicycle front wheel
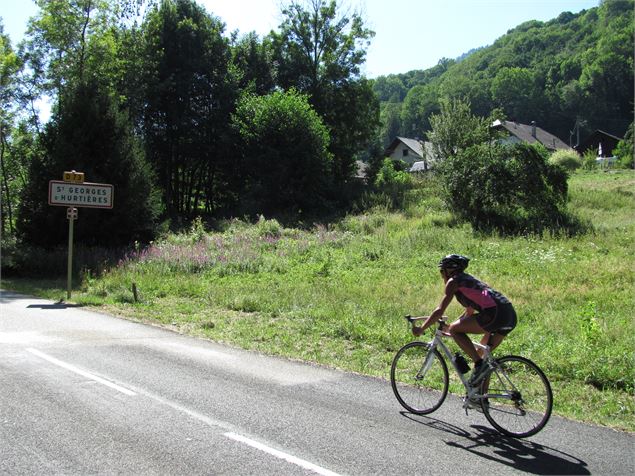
419,378
517,397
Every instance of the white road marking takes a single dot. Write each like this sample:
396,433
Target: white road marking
198,416
81,372
230,433
23,338
279,454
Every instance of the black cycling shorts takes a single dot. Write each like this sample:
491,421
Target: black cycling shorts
500,319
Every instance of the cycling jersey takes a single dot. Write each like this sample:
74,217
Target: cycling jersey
476,294
495,311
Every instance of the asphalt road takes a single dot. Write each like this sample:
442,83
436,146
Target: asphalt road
86,393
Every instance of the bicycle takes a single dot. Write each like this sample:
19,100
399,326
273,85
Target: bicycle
514,394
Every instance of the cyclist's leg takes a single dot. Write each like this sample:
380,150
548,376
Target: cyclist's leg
498,325
493,340
459,330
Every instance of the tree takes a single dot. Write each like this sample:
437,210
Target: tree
189,94
455,129
390,88
420,103
92,136
513,90
390,118
10,65
497,188
70,41
507,190
254,60
320,52
285,153
393,183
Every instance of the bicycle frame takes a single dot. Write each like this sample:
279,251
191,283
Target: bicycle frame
472,392
437,343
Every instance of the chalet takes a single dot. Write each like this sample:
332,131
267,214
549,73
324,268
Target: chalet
601,142
416,153
530,134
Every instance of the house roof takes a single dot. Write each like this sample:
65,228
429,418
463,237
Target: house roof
531,134
421,149
606,134
413,144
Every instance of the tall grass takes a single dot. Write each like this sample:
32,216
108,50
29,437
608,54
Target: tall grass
335,294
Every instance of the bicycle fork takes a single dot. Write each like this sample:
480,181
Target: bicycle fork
427,363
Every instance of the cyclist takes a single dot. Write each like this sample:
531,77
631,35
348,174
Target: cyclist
487,311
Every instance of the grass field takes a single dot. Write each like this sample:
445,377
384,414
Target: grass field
335,294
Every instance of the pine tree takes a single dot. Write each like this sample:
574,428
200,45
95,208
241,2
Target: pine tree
91,136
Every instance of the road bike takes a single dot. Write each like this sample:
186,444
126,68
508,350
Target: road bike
513,393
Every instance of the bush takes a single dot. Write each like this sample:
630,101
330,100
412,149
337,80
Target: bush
35,262
509,190
588,160
286,158
567,159
393,182
624,150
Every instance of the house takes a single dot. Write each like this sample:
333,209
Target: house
411,151
601,142
361,170
530,134
420,166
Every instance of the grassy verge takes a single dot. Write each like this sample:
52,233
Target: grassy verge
335,294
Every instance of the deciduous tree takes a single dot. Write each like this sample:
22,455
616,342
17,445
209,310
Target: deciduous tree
285,154
320,52
188,98
10,169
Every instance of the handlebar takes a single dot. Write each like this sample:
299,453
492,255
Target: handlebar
441,323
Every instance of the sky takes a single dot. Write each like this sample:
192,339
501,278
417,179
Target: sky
409,34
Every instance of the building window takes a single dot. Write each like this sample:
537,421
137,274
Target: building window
405,152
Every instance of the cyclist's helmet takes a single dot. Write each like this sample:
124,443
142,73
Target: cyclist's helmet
454,262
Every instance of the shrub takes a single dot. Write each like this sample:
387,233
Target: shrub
286,158
393,182
509,190
624,150
588,160
567,159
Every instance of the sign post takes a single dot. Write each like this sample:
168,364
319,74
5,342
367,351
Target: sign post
69,273
74,192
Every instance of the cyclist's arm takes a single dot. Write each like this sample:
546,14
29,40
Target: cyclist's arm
450,288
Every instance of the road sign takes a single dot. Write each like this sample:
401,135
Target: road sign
88,195
75,177
74,192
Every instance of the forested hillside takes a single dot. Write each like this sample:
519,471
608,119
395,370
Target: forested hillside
576,67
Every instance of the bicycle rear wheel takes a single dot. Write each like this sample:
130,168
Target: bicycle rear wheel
517,397
419,378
